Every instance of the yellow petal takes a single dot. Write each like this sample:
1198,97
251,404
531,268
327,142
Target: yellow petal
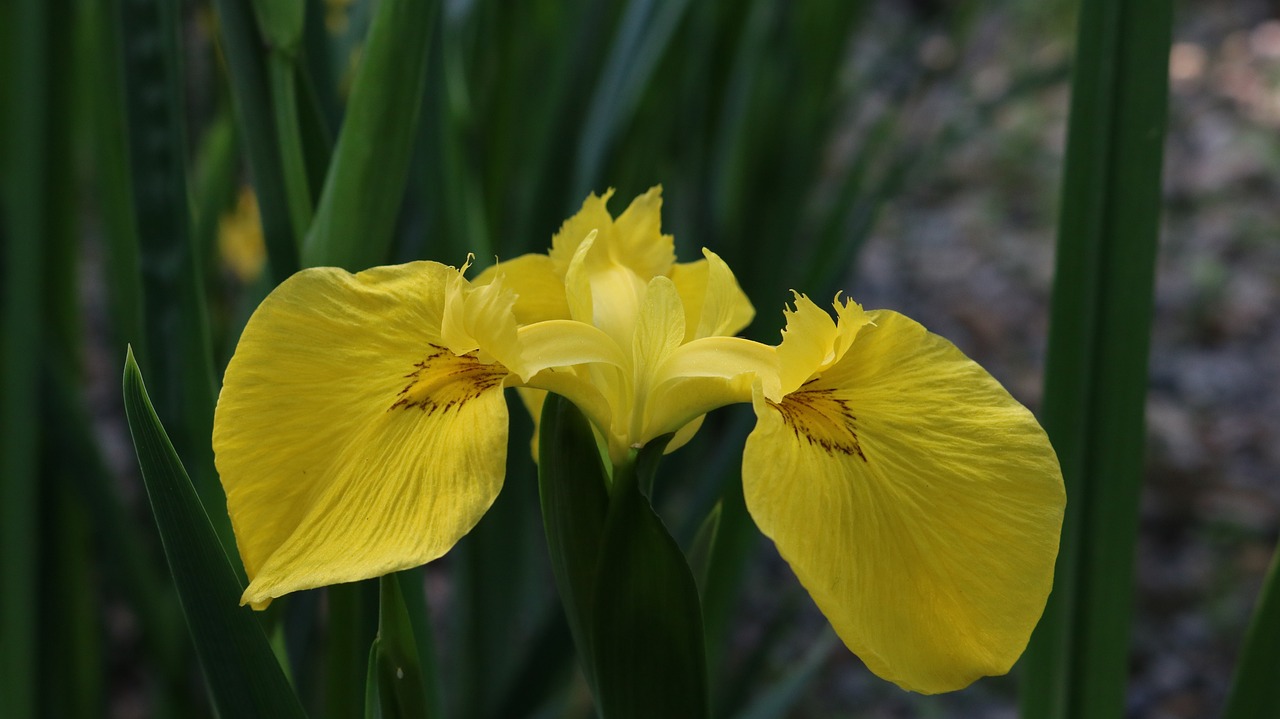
350,441
593,217
480,319
812,341
561,343
637,240
533,400
706,374
659,328
538,287
918,503
714,303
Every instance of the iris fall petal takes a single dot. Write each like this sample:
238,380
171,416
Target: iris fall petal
918,503
350,440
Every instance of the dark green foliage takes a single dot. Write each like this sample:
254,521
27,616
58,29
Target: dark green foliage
1095,378
244,677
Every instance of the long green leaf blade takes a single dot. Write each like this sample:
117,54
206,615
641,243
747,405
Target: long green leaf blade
172,271
23,43
1095,379
647,640
575,502
244,678
402,681
1255,689
251,100
365,185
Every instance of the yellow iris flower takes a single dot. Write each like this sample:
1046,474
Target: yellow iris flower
362,430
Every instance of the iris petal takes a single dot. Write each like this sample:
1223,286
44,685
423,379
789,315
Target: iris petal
918,503
538,287
713,301
350,441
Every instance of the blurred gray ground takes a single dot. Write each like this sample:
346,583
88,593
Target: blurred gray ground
968,251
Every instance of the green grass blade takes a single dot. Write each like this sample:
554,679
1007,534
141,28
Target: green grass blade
572,487
25,44
736,542
111,167
543,670
124,557
401,674
777,701
352,626
243,676
646,622
284,97
251,100
172,269
1255,689
365,185
70,636
1095,378
643,36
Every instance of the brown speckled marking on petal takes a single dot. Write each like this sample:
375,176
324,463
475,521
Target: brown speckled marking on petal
822,419
444,381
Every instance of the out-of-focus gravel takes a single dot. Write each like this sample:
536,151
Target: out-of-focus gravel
968,251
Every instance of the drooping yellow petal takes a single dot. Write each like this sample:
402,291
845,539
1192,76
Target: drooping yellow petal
350,441
918,503
713,301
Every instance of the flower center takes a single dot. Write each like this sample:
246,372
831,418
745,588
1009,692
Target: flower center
444,381
822,419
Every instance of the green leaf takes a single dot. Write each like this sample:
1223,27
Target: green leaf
572,487
172,271
642,39
736,542
778,700
647,641
402,683
365,185
110,165
243,676
281,23
251,100
1096,369
24,44
1255,689
352,626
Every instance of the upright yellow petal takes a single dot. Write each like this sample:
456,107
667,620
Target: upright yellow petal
593,217
714,303
350,441
539,288
918,502
637,240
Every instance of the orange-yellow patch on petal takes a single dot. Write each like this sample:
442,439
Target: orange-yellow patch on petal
917,502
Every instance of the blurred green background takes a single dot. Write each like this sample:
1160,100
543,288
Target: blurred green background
909,154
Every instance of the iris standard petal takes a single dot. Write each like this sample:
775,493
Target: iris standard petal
538,287
714,303
350,442
637,240
918,503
